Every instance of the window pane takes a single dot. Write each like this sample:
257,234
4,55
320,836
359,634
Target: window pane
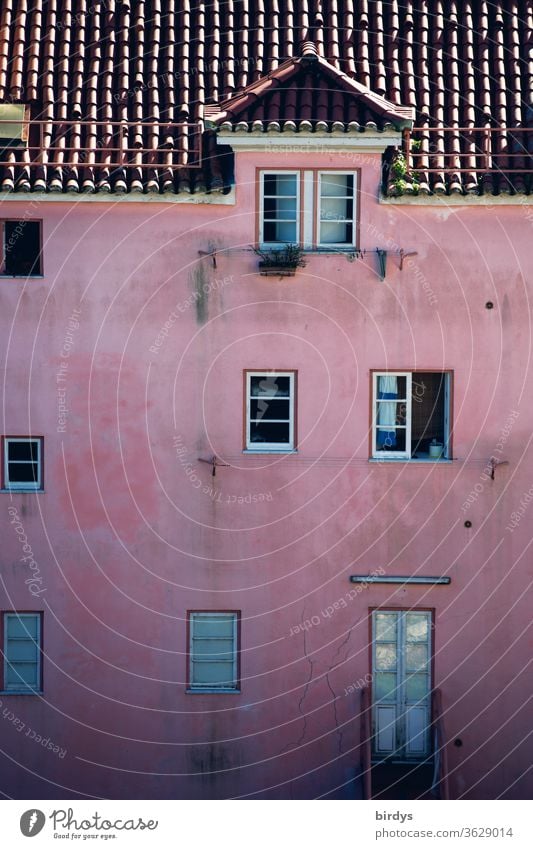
25,626
417,626
339,185
280,232
385,685
385,626
264,431
280,184
392,386
23,450
335,209
214,648
336,233
213,674
22,650
393,439
385,656
416,687
21,675
23,472
270,384
415,656
284,208
265,408
213,625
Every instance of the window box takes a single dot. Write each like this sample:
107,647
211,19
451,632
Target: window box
270,406
411,415
23,463
280,262
22,647
311,208
21,248
213,661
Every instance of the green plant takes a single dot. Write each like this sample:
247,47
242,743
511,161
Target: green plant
288,256
404,180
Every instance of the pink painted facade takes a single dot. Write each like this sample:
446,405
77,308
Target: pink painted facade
148,343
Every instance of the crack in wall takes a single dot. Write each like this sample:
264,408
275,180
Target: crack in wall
304,695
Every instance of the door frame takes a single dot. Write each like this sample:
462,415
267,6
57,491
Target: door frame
400,609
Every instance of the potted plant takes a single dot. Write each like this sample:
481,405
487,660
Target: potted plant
281,262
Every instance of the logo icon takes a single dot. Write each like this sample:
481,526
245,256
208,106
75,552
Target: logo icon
32,822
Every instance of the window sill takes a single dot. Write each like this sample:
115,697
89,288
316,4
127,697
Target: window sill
411,461
21,692
22,491
21,276
270,451
219,691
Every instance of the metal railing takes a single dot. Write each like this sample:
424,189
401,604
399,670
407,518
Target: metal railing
111,145
469,150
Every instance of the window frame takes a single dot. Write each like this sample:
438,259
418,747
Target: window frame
191,686
23,486
271,172
385,456
318,204
308,220
21,689
3,271
270,447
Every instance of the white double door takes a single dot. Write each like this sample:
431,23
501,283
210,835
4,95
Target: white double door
401,683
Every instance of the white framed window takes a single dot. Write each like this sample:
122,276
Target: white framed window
280,208
336,209
270,405
411,415
311,208
213,650
22,652
23,463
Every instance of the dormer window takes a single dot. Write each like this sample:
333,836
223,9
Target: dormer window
14,125
311,208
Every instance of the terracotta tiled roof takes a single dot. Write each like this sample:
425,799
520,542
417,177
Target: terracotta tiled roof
308,92
461,64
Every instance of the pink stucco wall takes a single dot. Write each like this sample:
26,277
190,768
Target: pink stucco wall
127,542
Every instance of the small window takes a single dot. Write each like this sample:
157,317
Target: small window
270,410
22,256
336,209
280,205
22,652
213,651
22,463
411,413
14,125
309,208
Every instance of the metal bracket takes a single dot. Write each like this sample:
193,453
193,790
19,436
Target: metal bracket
214,463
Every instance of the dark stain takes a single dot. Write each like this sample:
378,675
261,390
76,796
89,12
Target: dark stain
200,284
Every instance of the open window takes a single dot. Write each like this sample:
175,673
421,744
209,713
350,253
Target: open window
21,248
270,401
411,415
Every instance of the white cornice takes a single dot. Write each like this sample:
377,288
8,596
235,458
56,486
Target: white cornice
367,142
